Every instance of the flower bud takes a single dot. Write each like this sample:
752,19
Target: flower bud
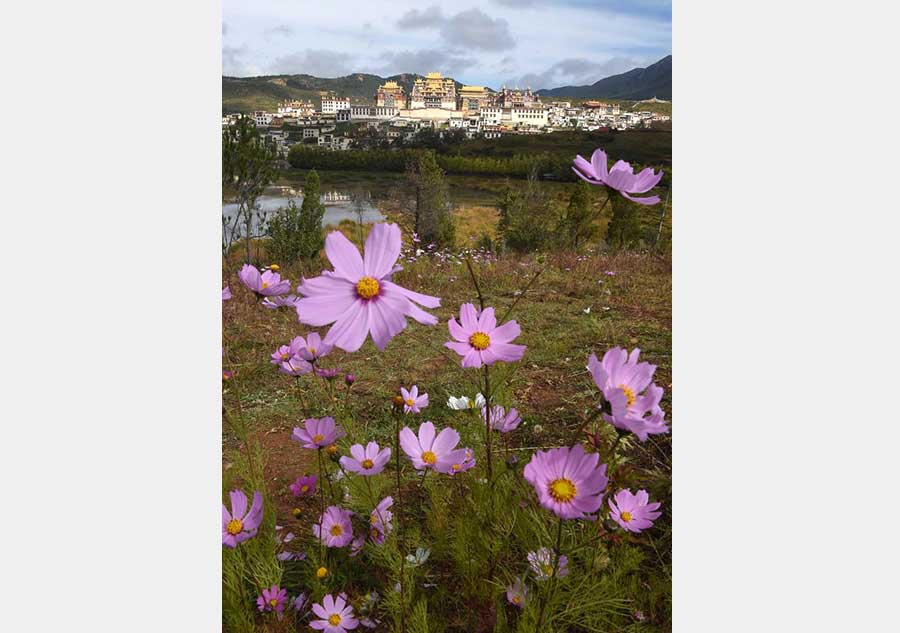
349,379
296,512
512,460
321,572
610,525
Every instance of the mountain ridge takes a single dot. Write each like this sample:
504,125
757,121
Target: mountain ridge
638,83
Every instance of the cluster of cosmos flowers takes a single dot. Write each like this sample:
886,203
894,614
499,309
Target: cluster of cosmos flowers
358,299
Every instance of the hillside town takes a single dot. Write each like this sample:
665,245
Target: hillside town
435,103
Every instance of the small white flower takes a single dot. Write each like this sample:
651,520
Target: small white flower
587,310
419,557
458,404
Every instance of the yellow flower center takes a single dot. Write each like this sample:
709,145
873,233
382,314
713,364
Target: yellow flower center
296,512
516,600
410,402
332,449
428,457
480,340
367,463
265,285
318,437
304,488
626,516
274,267
367,287
285,356
336,530
373,519
334,619
562,490
312,350
628,394
373,533
547,569
273,602
321,572
234,527
456,466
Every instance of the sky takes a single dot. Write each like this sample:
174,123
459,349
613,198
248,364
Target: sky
517,43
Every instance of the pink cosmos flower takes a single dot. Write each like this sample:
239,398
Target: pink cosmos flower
357,544
359,296
380,520
336,616
330,374
294,366
317,432
633,512
541,563
272,599
281,355
517,593
501,419
282,301
226,293
336,529
621,177
241,524
467,463
428,451
568,481
478,339
304,486
623,381
412,401
310,348
267,284
366,461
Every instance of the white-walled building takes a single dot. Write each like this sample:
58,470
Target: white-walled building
332,104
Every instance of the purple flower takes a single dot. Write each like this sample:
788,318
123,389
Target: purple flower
336,616
428,451
294,366
349,379
281,355
517,593
380,520
329,374
226,293
299,603
478,339
359,296
501,419
304,486
310,348
568,481
366,461
621,177
633,512
336,529
623,381
467,462
541,563
412,401
267,284
282,301
241,524
272,599
317,432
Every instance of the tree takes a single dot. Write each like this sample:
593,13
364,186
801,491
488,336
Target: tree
528,218
431,203
296,232
578,224
248,167
624,228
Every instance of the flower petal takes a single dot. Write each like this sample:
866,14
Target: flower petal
344,256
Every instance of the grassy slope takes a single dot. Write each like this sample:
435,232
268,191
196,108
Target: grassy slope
550,386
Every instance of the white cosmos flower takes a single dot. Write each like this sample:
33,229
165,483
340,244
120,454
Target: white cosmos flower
462,403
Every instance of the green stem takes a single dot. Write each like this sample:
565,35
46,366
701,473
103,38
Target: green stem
487,422
551,591
399,521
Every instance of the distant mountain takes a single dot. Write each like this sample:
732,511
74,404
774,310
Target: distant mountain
640,83
243,94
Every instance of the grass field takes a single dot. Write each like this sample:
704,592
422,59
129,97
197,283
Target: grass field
579,304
